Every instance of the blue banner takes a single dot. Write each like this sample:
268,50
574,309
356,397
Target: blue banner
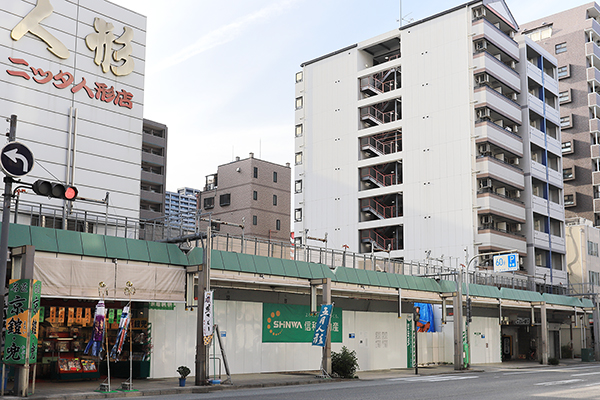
425,323
322,325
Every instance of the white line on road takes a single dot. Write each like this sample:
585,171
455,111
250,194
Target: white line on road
559,382
436,378
587,373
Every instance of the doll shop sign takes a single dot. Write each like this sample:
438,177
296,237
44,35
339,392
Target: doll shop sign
22,321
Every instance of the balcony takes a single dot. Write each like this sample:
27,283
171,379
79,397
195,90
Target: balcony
535,104
551,84
595,125
484,28
594,101
593,25
555,178
500,170
552,114
489,201
596,178
592,50
499,103
595,150
534,73
597,205
487,63
488,131
490,237
539,205
557,211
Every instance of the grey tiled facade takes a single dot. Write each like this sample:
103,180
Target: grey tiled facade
574,39
154,170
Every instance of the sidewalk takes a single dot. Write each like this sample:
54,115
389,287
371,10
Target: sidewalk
156,387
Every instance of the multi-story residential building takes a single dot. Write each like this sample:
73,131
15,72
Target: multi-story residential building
251,192
573,37
181,208
583,259
418,142
154,170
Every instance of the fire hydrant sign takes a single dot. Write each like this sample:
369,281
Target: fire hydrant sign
22,321
322,324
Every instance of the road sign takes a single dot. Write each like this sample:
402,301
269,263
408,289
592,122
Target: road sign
506,262
16,159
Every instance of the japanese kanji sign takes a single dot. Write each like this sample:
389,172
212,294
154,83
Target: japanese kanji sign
320,335
289,323
101,42
22,320
207,320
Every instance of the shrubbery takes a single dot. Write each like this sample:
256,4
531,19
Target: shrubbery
344,363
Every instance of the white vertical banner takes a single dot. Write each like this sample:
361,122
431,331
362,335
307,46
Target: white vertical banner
207,323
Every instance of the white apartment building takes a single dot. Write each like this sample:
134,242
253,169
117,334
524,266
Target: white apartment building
437,140
181,207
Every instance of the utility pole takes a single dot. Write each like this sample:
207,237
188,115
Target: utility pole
12,135
457,318
202,356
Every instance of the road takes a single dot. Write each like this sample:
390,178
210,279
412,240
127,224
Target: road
580,382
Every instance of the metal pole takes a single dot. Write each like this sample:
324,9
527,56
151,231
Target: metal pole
202,357
327,348
6,222
457,321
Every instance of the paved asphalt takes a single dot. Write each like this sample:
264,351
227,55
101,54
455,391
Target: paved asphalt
568,382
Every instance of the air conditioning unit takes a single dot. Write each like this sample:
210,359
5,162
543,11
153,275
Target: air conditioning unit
483,113
482,79
499,122
486,219
501,226
519,227
484,148
518,194
501,191
485,183
479,12
481,46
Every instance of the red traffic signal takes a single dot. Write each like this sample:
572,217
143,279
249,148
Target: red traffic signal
54,190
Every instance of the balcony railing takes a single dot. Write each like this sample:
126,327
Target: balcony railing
379,177
383,243
379,209
380,116
380,147
493,228
503,196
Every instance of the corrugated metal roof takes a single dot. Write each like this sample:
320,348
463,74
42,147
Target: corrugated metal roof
562,300
520,295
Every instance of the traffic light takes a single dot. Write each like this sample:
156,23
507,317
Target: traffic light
55,190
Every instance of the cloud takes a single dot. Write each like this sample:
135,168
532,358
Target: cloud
225,34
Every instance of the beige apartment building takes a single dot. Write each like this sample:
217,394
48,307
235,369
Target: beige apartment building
251,192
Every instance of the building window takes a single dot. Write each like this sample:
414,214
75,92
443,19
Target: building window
274,199
278,225
298,158
299,130
594,278
566,122
540,33
560,48
299,103
254,220
274,176
592,248
569,200
567,147
568,174
298,187
255,195
255,174
564,97
299,76
298,215
209,202
563,72
225,199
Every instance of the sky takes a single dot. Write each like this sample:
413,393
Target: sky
221,74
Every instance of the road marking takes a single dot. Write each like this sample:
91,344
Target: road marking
436,378
559,382
587,373
536,371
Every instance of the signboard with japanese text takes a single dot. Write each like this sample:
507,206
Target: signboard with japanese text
76,69
22,320
320,336
207,322
289,323
506,262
